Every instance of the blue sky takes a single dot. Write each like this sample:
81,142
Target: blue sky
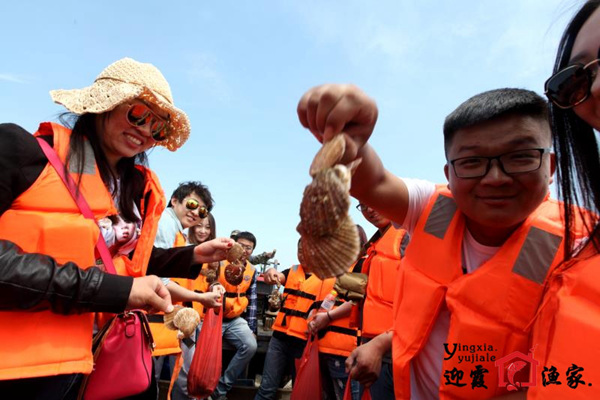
239,68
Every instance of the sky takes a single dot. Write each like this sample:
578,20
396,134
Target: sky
238,69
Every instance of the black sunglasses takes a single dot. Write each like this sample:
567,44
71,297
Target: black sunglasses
572,85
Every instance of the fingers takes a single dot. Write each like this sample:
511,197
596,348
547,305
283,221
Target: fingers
162,300
149,293
316,105
350,361
330,109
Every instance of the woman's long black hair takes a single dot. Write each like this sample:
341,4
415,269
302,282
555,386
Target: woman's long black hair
576,146
128,181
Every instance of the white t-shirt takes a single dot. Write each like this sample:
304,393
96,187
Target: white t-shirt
426,367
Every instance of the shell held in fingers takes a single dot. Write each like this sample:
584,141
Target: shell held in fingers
326,201
328,155
235,252
331,255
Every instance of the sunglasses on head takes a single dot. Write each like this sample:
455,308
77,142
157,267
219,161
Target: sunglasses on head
572,85
192,204
139,115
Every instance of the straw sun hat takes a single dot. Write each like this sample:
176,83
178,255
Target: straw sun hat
122,81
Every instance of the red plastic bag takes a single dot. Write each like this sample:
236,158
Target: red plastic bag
308,375
348,392
205,369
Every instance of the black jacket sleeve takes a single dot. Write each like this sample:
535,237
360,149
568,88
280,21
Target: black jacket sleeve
176,262
34,282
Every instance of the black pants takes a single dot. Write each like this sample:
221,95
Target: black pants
59,387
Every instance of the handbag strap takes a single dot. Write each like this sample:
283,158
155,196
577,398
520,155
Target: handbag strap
79,199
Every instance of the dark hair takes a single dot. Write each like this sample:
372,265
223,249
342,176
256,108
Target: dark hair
362,236
186,188
245,235
128,181
211,235
575,144
494,104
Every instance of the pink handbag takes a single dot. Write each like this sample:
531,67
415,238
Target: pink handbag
122,358
123,348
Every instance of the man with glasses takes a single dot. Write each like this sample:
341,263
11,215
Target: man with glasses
190,202
480,247
239,316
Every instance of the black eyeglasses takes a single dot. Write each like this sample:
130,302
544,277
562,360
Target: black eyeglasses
572,85
193,204
362,207
511,163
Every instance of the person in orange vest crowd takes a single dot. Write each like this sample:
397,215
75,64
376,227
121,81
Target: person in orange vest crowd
239,323
290,327
381,263
47,247
481,245
337,339
204,231
190,203
239,316
567,327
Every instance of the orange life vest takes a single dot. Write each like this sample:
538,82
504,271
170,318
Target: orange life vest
382,263
235,296
299,295
337,338
165,340
566,331
45,219
491,306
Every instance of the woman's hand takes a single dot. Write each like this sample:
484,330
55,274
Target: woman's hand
327,110
213,250
150,294
320,321
210,299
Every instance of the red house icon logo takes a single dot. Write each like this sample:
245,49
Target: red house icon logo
517,370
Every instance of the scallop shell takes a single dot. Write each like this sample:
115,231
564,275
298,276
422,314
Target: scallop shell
275,299
168,318
234,273
325,202
235,252
187,320
210,272
328,155
331,255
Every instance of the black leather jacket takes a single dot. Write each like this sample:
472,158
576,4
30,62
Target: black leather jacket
35,282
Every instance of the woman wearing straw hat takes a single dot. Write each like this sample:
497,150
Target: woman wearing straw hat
47,247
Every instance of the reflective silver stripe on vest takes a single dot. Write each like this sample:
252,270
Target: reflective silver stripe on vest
440,217
536,255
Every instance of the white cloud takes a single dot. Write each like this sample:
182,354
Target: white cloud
13,78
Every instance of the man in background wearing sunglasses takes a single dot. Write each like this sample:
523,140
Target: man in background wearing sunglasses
189,203
472,275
